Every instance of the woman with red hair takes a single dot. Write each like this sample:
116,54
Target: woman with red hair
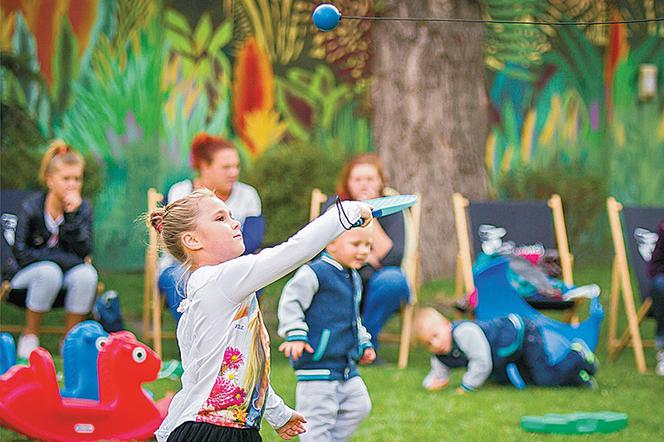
217,165
385,284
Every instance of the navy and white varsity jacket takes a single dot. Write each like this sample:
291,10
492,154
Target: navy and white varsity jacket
485,347
321,305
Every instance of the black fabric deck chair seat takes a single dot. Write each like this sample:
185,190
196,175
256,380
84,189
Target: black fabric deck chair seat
523,223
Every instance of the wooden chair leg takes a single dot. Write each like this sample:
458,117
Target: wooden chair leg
623,277
156,320
4,290
406,333
151,297
458,280
613,312
147,308
626,335
633,330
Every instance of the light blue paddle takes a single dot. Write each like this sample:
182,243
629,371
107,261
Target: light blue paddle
388,205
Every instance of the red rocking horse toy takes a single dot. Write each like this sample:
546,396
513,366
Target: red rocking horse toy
30,401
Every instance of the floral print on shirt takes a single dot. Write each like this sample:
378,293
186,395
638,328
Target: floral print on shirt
237,398
223,406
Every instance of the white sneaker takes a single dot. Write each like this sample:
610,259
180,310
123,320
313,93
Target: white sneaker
659,369
26,344
585,291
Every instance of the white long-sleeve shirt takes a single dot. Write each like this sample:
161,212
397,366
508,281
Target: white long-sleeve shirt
224,345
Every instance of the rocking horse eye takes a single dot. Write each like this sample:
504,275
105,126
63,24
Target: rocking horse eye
139,354
100,342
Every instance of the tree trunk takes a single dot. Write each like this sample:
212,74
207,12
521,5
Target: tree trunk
430,115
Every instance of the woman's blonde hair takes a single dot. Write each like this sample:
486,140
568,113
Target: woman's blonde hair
58,153
178,217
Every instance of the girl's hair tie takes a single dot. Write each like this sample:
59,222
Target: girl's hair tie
63,149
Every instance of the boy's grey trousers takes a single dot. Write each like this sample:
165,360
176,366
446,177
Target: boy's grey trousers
333,409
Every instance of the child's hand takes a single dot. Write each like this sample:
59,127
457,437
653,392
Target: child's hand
368,356
365,213
71,202
293,427
295,349
437,384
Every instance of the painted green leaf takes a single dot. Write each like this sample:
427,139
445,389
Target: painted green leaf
24,47
226,68
203,32
180,43
11,90
297,108
65,67
177,22
204,67
645,52
222,36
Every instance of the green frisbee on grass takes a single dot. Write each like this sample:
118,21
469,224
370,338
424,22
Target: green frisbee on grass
575,423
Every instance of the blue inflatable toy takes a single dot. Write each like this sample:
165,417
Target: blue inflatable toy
497,298
80,351
326,17
7,352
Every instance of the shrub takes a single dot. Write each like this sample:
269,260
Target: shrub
284,177
21,152
583,192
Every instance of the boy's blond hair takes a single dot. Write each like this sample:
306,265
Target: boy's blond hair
369,228
425,319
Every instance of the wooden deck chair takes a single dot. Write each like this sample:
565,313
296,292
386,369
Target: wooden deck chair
153,302
639,233
410,266
525,223
10,203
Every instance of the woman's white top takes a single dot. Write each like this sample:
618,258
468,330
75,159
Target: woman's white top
224,345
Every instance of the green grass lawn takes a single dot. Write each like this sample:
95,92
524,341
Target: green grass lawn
403,411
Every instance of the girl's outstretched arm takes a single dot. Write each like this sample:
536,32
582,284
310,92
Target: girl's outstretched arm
240,277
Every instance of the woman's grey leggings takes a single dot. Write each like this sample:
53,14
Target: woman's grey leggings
44,279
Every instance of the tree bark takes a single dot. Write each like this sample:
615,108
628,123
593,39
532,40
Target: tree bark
430,115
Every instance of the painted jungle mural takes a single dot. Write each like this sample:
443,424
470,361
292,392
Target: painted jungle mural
130,82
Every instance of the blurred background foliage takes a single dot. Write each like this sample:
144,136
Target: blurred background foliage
284,177
130,82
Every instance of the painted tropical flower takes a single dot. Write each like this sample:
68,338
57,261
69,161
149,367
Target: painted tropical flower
46,20
254,118
233,358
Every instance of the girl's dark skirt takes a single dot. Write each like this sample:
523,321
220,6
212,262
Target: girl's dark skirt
204,432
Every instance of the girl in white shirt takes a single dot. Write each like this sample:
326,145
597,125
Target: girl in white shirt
224,345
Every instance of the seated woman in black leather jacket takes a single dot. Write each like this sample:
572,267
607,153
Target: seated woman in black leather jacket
53,237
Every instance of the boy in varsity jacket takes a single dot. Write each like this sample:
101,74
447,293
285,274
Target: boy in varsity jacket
486,348
319,316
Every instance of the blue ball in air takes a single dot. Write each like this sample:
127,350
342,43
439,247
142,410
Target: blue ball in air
326,17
